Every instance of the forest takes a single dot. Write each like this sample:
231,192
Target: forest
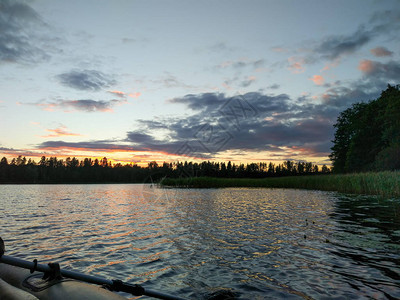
72,170
367,135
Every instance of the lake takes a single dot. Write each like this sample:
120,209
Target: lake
257,243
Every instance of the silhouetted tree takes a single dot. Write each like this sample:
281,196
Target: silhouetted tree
54,170
367,135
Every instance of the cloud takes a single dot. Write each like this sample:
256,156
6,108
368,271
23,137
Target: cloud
248,81
318,79
22,152
146,142
280,49
86,80
20,38
296,64
135,95
170,81
86,105
60,131
381,23
381,51
241,63
200,102
274,86
107,146
366,66
334,47
373,69
238,72
118,93
341,97
124,95
249,122
128,40
386,21
221,47
331,65
138,143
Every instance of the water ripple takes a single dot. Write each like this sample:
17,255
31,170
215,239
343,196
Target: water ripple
257,243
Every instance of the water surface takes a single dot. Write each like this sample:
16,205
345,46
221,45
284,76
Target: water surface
257,243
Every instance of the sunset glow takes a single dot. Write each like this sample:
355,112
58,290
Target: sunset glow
195,82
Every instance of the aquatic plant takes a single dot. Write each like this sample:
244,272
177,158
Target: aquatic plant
385,183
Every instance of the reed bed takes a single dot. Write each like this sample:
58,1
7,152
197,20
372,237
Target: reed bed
386,184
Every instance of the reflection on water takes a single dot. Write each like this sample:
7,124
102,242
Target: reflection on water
258,243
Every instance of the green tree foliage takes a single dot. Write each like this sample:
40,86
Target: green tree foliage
367,135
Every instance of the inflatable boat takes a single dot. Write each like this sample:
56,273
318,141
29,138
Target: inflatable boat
19,283
20,279
25,280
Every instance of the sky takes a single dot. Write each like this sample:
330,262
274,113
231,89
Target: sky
140,81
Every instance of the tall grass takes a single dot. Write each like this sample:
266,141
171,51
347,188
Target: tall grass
386,184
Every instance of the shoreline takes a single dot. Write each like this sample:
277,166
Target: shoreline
385,184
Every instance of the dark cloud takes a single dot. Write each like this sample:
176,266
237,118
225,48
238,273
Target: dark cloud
86,105
89,105
17,152
139,137
258,63
383,71
253,122
221,47
249,122
386,21
274,86
87,80
240,64
200,102
239,71
145,142
240,81
128,40
170,81
91,145
342,97
210,103
247,82
20,40
335,46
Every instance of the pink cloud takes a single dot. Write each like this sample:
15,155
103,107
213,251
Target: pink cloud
135,95
381,51
60,131
331,65
117,93
326,97
366,66
318,79
124,95
279,49
296,64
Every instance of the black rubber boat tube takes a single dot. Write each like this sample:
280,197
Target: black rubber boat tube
115,285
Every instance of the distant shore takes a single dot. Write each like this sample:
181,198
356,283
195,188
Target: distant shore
386,184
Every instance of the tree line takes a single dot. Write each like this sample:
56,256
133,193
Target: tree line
367,135
72,170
